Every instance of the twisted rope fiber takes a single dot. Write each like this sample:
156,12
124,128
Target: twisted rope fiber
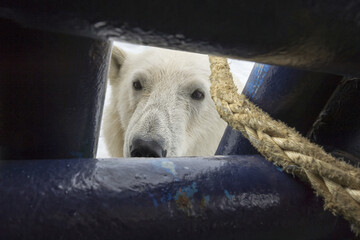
333,179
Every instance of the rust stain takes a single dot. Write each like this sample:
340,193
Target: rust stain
183,202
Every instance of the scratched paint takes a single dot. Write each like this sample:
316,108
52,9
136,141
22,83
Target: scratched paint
253,86
166,197
184,203
188,191
228,195
144,207
205,201
184,198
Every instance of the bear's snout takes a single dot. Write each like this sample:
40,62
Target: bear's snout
142,148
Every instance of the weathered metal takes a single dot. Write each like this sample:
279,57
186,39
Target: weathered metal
52,90
229,197
293,96
51,95
338,127
314,35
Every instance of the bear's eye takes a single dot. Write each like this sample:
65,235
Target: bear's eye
137,85
197,95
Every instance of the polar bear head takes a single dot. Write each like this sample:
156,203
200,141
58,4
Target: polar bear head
160,105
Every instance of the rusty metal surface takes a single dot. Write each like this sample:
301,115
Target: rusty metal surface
160,198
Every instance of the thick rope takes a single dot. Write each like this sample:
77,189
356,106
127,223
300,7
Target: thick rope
336,181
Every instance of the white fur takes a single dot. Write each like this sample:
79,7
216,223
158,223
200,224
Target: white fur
163,111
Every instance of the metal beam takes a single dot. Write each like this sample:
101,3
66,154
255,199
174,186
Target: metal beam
313,35
194,198
293,96
52,90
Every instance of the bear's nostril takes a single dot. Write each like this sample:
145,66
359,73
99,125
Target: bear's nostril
142,148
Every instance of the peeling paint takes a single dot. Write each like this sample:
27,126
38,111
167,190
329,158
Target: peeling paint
205,201
228,195
188,191
184,198
184,203
166,198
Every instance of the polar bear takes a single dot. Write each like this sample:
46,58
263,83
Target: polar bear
160,105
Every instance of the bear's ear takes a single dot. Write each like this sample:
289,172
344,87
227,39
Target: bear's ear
117,59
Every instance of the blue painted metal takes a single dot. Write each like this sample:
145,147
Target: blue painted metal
314,35
293,96
52,90
338,126
194,198
228,197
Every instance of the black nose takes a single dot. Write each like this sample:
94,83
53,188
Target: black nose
142,148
